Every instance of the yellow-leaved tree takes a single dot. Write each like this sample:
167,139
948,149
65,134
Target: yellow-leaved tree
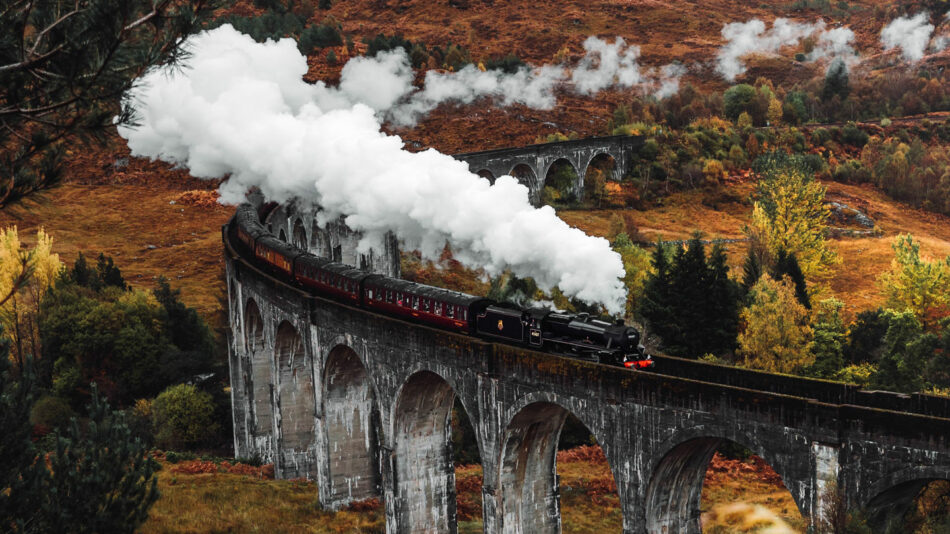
789,214
25,276
777,336
914,284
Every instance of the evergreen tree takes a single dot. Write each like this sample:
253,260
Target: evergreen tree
722,305
96,479
836,81
81,274
64,67
690,303
866,338
906,353
656,305
787,265
108,273
829,339
689,277
751,271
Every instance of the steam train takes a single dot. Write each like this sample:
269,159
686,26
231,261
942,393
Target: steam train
574,335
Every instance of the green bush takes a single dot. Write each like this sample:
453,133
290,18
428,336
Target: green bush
183,417
738,99
51,412
854,136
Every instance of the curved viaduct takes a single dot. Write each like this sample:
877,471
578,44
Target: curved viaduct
362,404
530,164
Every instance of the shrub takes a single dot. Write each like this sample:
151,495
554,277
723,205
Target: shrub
854,136
51,412
738,99
510,64
183,417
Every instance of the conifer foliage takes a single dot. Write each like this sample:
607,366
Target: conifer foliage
690,301
97,477
64,66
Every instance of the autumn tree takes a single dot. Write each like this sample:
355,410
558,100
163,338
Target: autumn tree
18,314
777,335
914,284
64,67
775,112
636,265
789,214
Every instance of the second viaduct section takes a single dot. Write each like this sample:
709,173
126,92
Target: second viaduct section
530,164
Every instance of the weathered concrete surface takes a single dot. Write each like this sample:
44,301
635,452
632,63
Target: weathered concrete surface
530,164
307,228
384,390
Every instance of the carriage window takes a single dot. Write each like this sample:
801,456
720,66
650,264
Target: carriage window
426,305
389,296
450,311
415,303
369,294
399,298
438,308
464,314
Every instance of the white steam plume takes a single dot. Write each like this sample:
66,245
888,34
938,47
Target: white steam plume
603,66
910,34
240,108
752,37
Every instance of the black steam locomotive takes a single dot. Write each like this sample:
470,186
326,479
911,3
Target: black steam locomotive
578,335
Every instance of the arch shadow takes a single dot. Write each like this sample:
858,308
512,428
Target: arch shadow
423,470
892,497
674,493
351,427
561,182
260,370
297,402
486,174
299,236
527,466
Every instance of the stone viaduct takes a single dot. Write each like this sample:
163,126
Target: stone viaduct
362,404
530,164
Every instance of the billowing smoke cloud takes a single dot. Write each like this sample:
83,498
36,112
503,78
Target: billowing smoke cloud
834,43
242,109
910,34
603,66
752,37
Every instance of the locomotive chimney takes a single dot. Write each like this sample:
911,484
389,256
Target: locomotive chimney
619,322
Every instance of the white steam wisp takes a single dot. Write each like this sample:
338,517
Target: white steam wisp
603,66
749,37
910,34
240,108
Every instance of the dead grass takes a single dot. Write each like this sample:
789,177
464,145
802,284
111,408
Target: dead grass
143,227
224,502
203,497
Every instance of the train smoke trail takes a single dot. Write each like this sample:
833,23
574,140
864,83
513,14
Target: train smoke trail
752,37
241,109
603,66
910,34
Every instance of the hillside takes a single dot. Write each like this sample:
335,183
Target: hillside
688,32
